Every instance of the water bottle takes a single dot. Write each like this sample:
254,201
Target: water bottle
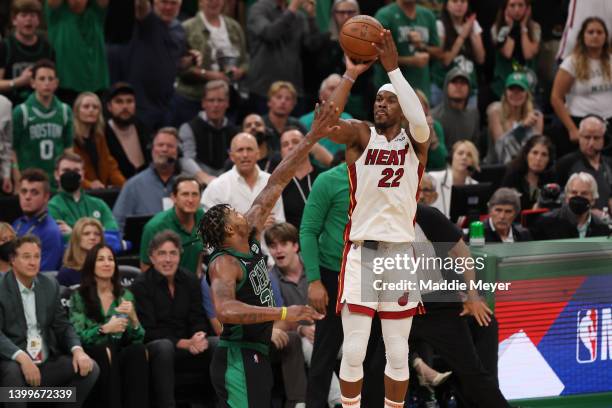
477,234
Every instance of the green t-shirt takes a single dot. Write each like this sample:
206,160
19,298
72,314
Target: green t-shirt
78,40
167,220
323,222
63,207
41,134
394,19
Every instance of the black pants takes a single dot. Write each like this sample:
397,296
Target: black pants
291,359
242,377
166,362
56,372
123,380
450,336
327,343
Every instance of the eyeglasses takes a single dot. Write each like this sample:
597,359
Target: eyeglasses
345,12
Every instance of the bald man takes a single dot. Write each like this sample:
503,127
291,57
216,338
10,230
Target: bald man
239,186
589,159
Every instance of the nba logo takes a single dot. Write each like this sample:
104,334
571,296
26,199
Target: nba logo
586,347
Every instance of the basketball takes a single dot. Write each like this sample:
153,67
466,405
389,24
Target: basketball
357,36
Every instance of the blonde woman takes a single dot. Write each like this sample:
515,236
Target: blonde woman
583,84
101,168
464,161
87,233
7,235
513,120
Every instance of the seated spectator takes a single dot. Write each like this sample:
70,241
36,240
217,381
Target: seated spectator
34,192
104,317
38,347
206,138
101,168
282,98
296,193
254,124
221,41
6,144
437,154
459,122
42,125
288,271
126,136
240,186
531,169
183,219
321,159
427,190
513,120
277,33
145,193
21,49
590,160
516,38
86,234
461,42
169,305
583,84
156,54
76,31
71,203
7,236
463,162
504,206
575,218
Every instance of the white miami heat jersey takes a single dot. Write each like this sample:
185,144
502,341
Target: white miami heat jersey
384,184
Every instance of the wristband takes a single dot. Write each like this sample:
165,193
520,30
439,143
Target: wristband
348,78
283,313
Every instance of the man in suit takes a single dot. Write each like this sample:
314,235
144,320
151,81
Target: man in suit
504,206
35,334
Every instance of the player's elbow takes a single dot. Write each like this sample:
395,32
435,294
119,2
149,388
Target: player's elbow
420,133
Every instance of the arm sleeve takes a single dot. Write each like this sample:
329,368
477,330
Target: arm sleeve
187,142
207,303
86,329
313,218
411,106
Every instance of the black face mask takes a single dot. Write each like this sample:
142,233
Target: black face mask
579,205
5,251
70,181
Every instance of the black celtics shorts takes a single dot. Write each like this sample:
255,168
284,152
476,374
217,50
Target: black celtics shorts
242,376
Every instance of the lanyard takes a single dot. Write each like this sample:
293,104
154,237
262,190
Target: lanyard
299,187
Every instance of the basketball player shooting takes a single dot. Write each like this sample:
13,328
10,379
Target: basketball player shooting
384,182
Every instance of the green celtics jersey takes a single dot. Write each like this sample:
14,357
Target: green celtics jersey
394,19
253,289
41,134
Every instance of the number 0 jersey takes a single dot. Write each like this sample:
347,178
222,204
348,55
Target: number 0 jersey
253,289
384,184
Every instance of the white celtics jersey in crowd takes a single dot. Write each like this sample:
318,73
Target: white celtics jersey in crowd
384,185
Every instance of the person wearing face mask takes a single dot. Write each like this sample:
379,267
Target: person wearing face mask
7,235
71,203
575,218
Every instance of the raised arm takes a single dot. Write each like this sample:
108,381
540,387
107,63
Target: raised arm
325,124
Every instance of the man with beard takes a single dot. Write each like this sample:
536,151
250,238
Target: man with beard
34,192
126,137
144,194
574,219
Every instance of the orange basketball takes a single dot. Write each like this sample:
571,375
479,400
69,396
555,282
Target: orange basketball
357,36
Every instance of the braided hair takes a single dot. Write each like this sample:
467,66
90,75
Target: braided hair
212,227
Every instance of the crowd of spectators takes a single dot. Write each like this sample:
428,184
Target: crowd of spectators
170,107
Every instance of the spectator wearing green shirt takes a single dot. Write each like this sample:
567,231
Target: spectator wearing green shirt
437,154
104,317
183,219
76,32
71,203
414,31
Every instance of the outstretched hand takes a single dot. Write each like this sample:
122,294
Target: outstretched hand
325,120
387,52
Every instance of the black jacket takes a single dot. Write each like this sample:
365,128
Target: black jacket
518,232
116,150
166,317
554,226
